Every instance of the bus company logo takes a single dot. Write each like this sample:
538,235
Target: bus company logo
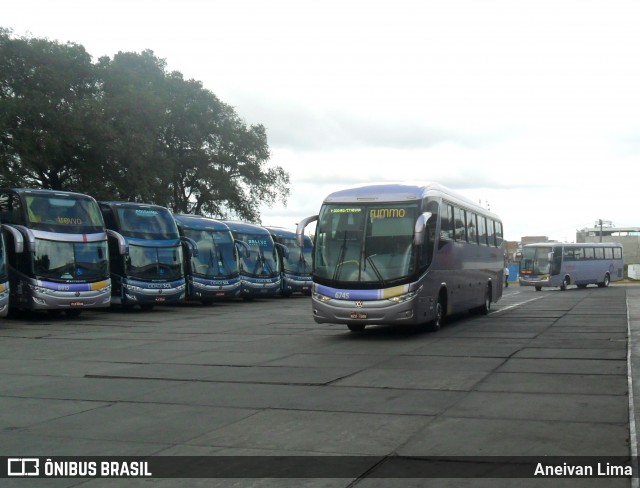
359,304
159,285
23,467
387,213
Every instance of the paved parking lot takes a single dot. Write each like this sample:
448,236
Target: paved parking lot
545,374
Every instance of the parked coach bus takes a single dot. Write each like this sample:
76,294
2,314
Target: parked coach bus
145,251
4,279
259,268
213,272
295,261
403,254
582,264
56,248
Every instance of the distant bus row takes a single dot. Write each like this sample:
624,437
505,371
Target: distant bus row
65,251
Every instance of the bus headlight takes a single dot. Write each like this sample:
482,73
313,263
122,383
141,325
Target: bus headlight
132,288
403,298
320,297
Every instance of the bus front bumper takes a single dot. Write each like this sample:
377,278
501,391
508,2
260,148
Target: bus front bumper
371,312
209,290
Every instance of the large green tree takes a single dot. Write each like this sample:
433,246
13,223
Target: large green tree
48,107
124,128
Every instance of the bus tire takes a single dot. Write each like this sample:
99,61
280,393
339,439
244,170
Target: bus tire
605,282
486,306
538,288
566,281
440,312
356,327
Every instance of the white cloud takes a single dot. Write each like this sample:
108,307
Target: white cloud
530,105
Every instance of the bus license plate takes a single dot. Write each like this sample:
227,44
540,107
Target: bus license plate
76,304
159,299
359,315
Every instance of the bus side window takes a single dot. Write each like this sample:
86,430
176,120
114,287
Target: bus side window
445,222
608,253
460,226
599,252
588,253
556,265
482,230
491,234
472,228
498,234
617,253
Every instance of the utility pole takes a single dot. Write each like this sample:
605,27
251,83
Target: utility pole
600,223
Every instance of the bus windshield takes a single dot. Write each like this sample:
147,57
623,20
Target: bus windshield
261,259
299,259
370,244
67,261
154,263
535,260
63,213
146,223
216,253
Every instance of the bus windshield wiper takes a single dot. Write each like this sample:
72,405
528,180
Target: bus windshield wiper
375,269
343,250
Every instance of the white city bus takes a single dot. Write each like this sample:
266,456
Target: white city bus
556,264
394,254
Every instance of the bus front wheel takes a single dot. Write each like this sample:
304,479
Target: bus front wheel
605,282
438,318
565,282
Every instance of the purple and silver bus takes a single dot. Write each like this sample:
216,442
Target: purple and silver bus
56,246
403,254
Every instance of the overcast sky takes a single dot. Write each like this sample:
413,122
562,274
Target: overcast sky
529,107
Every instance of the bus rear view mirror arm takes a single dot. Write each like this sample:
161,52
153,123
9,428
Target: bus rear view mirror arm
420,228
284,249
123,248
243,246
191,245
300,229
17,238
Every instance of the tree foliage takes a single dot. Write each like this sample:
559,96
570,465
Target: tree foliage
125,128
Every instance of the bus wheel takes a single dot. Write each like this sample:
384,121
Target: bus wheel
356,327
538,288
565,283
438,319
486,306
605,282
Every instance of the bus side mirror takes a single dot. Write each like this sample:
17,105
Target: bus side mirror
420,228
283,249
123,247
243,246
17,238
191,246
300,229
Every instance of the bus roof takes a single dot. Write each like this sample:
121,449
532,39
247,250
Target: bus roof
281,231
399,192
40,191
572,244
132,205
237,226
200,222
